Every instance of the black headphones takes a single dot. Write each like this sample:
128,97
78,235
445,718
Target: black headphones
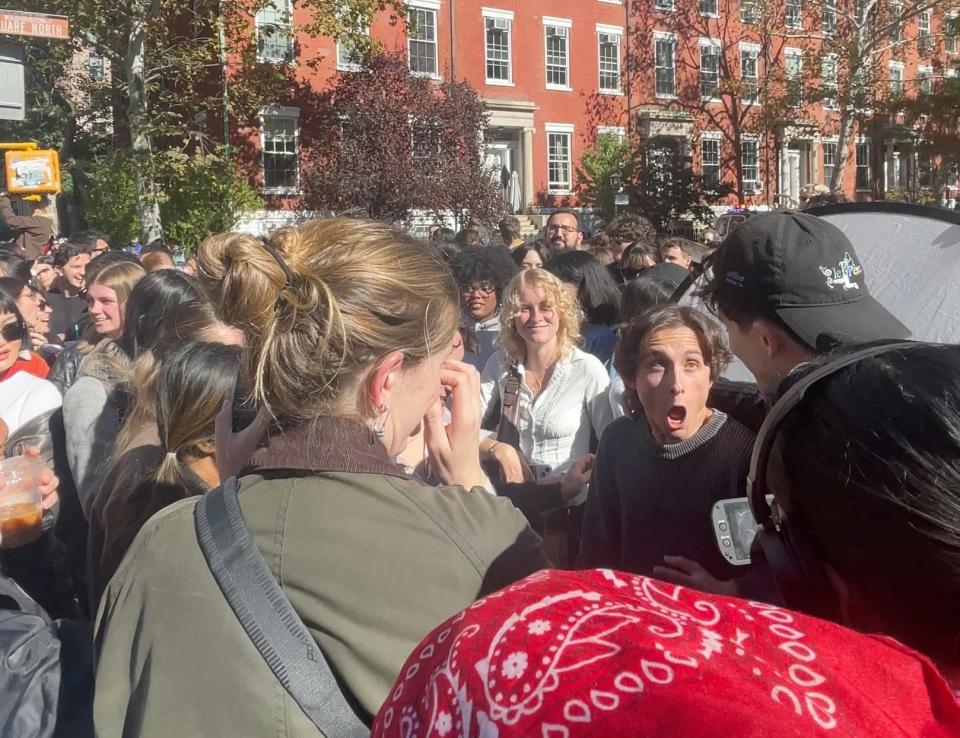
799,575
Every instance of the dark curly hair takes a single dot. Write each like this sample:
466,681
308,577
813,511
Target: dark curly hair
484,264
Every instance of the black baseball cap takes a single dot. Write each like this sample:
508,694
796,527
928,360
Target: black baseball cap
804,270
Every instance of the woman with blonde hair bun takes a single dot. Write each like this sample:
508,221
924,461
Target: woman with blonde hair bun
351,344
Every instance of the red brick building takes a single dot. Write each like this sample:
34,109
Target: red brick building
689,75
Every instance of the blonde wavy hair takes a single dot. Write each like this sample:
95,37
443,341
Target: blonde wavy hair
340,296
566,308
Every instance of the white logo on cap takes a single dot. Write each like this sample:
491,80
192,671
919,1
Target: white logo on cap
735,279
844,274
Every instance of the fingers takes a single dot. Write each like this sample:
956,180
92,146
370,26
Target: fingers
672,575
687,566
435,432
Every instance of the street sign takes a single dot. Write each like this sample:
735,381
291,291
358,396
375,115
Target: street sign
38,25
621,198
12,103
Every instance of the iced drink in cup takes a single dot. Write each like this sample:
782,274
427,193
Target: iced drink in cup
21,511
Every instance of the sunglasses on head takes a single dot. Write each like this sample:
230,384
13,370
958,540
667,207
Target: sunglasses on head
11,332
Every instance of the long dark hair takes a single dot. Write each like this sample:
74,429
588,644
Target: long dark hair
9,305
599,295
871,465
149,305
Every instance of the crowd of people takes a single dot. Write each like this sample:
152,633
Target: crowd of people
485,486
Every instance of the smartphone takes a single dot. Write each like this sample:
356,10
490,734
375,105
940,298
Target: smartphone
734,528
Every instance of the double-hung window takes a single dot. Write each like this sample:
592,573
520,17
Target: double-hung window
557,41
924,38
710,8
794,64
895,77
750,162
749,73
863,165
608,50
828,75
498,26
274,22
828,18
422,37
559,158
830,147
710,142
925,79
665,64
280,144
794,14
710,51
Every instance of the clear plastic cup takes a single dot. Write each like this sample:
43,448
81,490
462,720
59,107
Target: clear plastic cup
21,509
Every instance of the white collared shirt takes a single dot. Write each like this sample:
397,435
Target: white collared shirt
556,428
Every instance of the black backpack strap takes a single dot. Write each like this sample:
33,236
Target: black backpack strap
267,615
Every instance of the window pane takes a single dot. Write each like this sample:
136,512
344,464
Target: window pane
749,74
794,13
709,70
829,161
498,49
275,32
751,161
863,165
829,16
665,77
423,41
280,156
609,62
558,161
708,7
710,160
556,56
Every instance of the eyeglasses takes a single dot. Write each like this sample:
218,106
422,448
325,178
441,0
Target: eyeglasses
11,332
558,228
484,288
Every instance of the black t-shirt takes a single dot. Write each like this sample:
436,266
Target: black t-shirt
67,313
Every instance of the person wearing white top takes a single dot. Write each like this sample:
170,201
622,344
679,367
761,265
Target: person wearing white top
23,396
564,393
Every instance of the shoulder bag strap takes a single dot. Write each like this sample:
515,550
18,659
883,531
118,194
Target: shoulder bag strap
509,429
267,615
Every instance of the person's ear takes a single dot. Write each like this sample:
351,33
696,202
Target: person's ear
769,337
384,379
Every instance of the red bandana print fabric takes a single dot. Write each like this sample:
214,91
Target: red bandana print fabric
602,653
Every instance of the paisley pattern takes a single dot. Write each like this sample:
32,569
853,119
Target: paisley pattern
563,654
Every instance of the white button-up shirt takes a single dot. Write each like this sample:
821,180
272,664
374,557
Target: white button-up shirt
556,428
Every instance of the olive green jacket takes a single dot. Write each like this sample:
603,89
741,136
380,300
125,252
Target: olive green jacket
370,559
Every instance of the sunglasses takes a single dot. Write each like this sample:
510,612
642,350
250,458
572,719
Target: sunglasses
11,332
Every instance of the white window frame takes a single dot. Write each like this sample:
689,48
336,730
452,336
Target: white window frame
949,38
750,12
830,103
714,14
755,49
751,185
672,38
718,137
861,141
610,31
829,141
430,6
711,43
794,53
560,129
829,10
501,15
618,131
279,113
279,7
349,66
566,23
898,66
790,22
924,26
665,6
925,76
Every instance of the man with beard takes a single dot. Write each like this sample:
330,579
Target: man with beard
563,232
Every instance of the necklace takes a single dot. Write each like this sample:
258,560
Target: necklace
536,384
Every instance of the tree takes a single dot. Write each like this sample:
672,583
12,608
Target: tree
663,187
865,36
198,195
171,62
607,157
387,142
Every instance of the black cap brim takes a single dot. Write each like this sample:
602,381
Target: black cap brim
824,326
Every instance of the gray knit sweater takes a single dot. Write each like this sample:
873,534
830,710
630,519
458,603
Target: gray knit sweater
649,500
